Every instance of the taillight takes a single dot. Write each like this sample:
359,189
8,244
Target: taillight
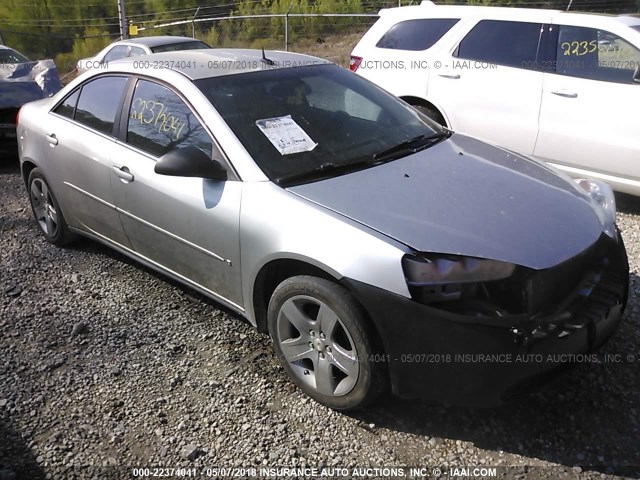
354,63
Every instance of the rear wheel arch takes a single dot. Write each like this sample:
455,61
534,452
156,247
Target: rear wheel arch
27,167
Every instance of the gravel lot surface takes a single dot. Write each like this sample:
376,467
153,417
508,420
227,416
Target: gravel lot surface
105,365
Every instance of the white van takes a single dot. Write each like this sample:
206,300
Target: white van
561,87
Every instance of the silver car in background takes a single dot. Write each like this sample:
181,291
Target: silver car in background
134,47
375,247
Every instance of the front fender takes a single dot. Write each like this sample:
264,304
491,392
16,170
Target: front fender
277,224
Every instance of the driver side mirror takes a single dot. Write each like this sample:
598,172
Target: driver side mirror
190,162
636,74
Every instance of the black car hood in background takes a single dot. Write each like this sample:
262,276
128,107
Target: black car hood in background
465,197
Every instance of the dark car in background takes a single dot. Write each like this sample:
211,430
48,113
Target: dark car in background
22,81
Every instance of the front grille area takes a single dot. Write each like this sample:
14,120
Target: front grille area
536,303
546,289
602,289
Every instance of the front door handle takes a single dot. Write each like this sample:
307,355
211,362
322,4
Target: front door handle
52,139
452,76
123,173
565,93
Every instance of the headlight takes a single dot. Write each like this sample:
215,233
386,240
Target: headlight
451,269
602,194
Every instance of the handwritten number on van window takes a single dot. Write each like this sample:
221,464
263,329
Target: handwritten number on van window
580,48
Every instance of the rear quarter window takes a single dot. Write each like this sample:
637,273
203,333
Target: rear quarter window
416,35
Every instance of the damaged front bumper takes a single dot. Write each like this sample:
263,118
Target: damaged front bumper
483,360
7,124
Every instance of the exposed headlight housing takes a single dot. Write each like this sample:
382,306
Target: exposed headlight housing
438,278
435,270
602,194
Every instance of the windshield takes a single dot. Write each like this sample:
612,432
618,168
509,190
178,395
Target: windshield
174,47
11,56
299,120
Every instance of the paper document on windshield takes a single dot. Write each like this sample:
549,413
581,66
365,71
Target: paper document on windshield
286,135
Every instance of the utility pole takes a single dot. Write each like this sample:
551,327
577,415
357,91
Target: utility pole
193,23
286,27
123,20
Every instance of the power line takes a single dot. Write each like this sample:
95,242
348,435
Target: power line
61,37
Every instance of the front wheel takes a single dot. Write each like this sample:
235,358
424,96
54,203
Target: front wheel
324,342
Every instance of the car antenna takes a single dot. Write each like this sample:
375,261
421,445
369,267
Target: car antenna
266,60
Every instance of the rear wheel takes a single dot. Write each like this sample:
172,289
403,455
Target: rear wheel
322,338
46,210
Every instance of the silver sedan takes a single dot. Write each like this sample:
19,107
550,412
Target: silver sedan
375,247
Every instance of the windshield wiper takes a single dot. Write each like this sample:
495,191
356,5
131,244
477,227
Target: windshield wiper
326,170
331,169
412,145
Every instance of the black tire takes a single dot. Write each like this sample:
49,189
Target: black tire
351,332
432,113
39,191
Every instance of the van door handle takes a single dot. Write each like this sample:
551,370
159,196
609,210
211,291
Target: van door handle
565,93
52,139
452,76
123,173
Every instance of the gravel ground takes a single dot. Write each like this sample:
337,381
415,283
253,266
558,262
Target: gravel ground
106,365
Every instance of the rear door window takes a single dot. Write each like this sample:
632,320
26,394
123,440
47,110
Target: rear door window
99,102
512,44
416,35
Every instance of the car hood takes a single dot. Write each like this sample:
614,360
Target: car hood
21,83
465,197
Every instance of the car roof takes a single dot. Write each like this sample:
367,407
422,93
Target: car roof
157,40
427,9
216,62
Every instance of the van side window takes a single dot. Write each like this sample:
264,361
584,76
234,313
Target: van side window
512,44
416,35
595,54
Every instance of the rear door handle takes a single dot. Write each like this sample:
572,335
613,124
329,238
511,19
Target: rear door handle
123,173
452,76
52,139
565,93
